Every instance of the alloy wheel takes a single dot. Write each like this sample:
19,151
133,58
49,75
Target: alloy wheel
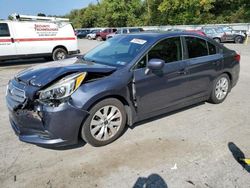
221,88
105,123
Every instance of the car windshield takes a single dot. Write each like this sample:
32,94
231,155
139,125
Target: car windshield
118,51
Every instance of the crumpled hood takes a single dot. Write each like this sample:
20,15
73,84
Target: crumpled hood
43,74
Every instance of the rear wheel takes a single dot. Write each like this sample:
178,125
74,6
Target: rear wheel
59,54
89,37
221,87
238,40
105,123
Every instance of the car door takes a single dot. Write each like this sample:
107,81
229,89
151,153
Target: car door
204,63
7,43
158,90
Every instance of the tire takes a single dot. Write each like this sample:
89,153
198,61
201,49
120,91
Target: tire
217,40
220,92
238,40
99,38
59,54
89,37
96,129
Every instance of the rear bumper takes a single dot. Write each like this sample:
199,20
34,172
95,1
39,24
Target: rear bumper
48,126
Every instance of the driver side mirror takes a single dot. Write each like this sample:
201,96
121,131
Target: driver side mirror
154,65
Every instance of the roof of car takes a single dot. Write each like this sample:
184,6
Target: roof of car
163,34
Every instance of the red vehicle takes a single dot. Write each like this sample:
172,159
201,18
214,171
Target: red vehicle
103,33
200,32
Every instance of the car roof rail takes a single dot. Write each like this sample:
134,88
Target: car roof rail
19,17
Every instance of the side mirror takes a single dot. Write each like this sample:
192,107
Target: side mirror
154,65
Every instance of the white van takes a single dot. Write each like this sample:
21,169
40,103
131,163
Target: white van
36,36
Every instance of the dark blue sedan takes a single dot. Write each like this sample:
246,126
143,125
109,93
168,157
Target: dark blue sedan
124,80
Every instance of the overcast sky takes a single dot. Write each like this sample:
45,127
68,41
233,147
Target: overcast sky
48,7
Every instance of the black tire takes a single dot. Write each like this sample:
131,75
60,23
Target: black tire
238,39
89,37
86,127
213,98
217,40
59,54
99,38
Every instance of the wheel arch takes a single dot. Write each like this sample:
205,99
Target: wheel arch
60,46
123,100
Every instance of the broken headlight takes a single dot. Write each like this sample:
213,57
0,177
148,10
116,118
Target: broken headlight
63,88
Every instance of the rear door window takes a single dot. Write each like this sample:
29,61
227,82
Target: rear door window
196,47
4,30
211,48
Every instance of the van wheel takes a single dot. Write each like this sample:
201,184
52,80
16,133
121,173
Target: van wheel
59,54
221,87
105,123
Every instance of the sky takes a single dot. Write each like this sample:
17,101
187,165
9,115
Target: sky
48,7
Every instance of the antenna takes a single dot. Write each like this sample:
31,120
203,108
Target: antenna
37,18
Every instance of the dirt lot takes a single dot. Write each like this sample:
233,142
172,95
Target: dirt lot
188,148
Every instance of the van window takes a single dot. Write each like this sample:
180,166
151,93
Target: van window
4,30
168,50
196,47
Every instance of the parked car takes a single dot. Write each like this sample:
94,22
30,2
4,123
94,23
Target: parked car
199,32
92,34
233,35
224,34
124,31
215,33
82,33
103,33
124,80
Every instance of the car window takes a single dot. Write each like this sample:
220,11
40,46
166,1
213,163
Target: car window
134,30
219,30
209,31
169,50
211,48
125,31
119,31
4,30
196,47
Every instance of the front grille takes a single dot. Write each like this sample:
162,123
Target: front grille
16,94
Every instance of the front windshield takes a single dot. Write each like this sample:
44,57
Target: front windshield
118,51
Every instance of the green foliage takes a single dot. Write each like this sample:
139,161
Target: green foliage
120,13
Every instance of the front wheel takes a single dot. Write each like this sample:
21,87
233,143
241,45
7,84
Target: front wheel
221,87
105,123
99,38
59,54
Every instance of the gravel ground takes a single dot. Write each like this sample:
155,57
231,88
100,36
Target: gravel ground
188,148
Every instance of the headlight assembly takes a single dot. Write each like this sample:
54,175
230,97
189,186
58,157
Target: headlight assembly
63,88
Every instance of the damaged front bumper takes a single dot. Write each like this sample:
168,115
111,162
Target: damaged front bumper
42,124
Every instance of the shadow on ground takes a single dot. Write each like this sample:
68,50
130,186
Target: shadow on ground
238,155
80,144
165,115
152,181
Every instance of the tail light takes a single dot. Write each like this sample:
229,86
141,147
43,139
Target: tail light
237,57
